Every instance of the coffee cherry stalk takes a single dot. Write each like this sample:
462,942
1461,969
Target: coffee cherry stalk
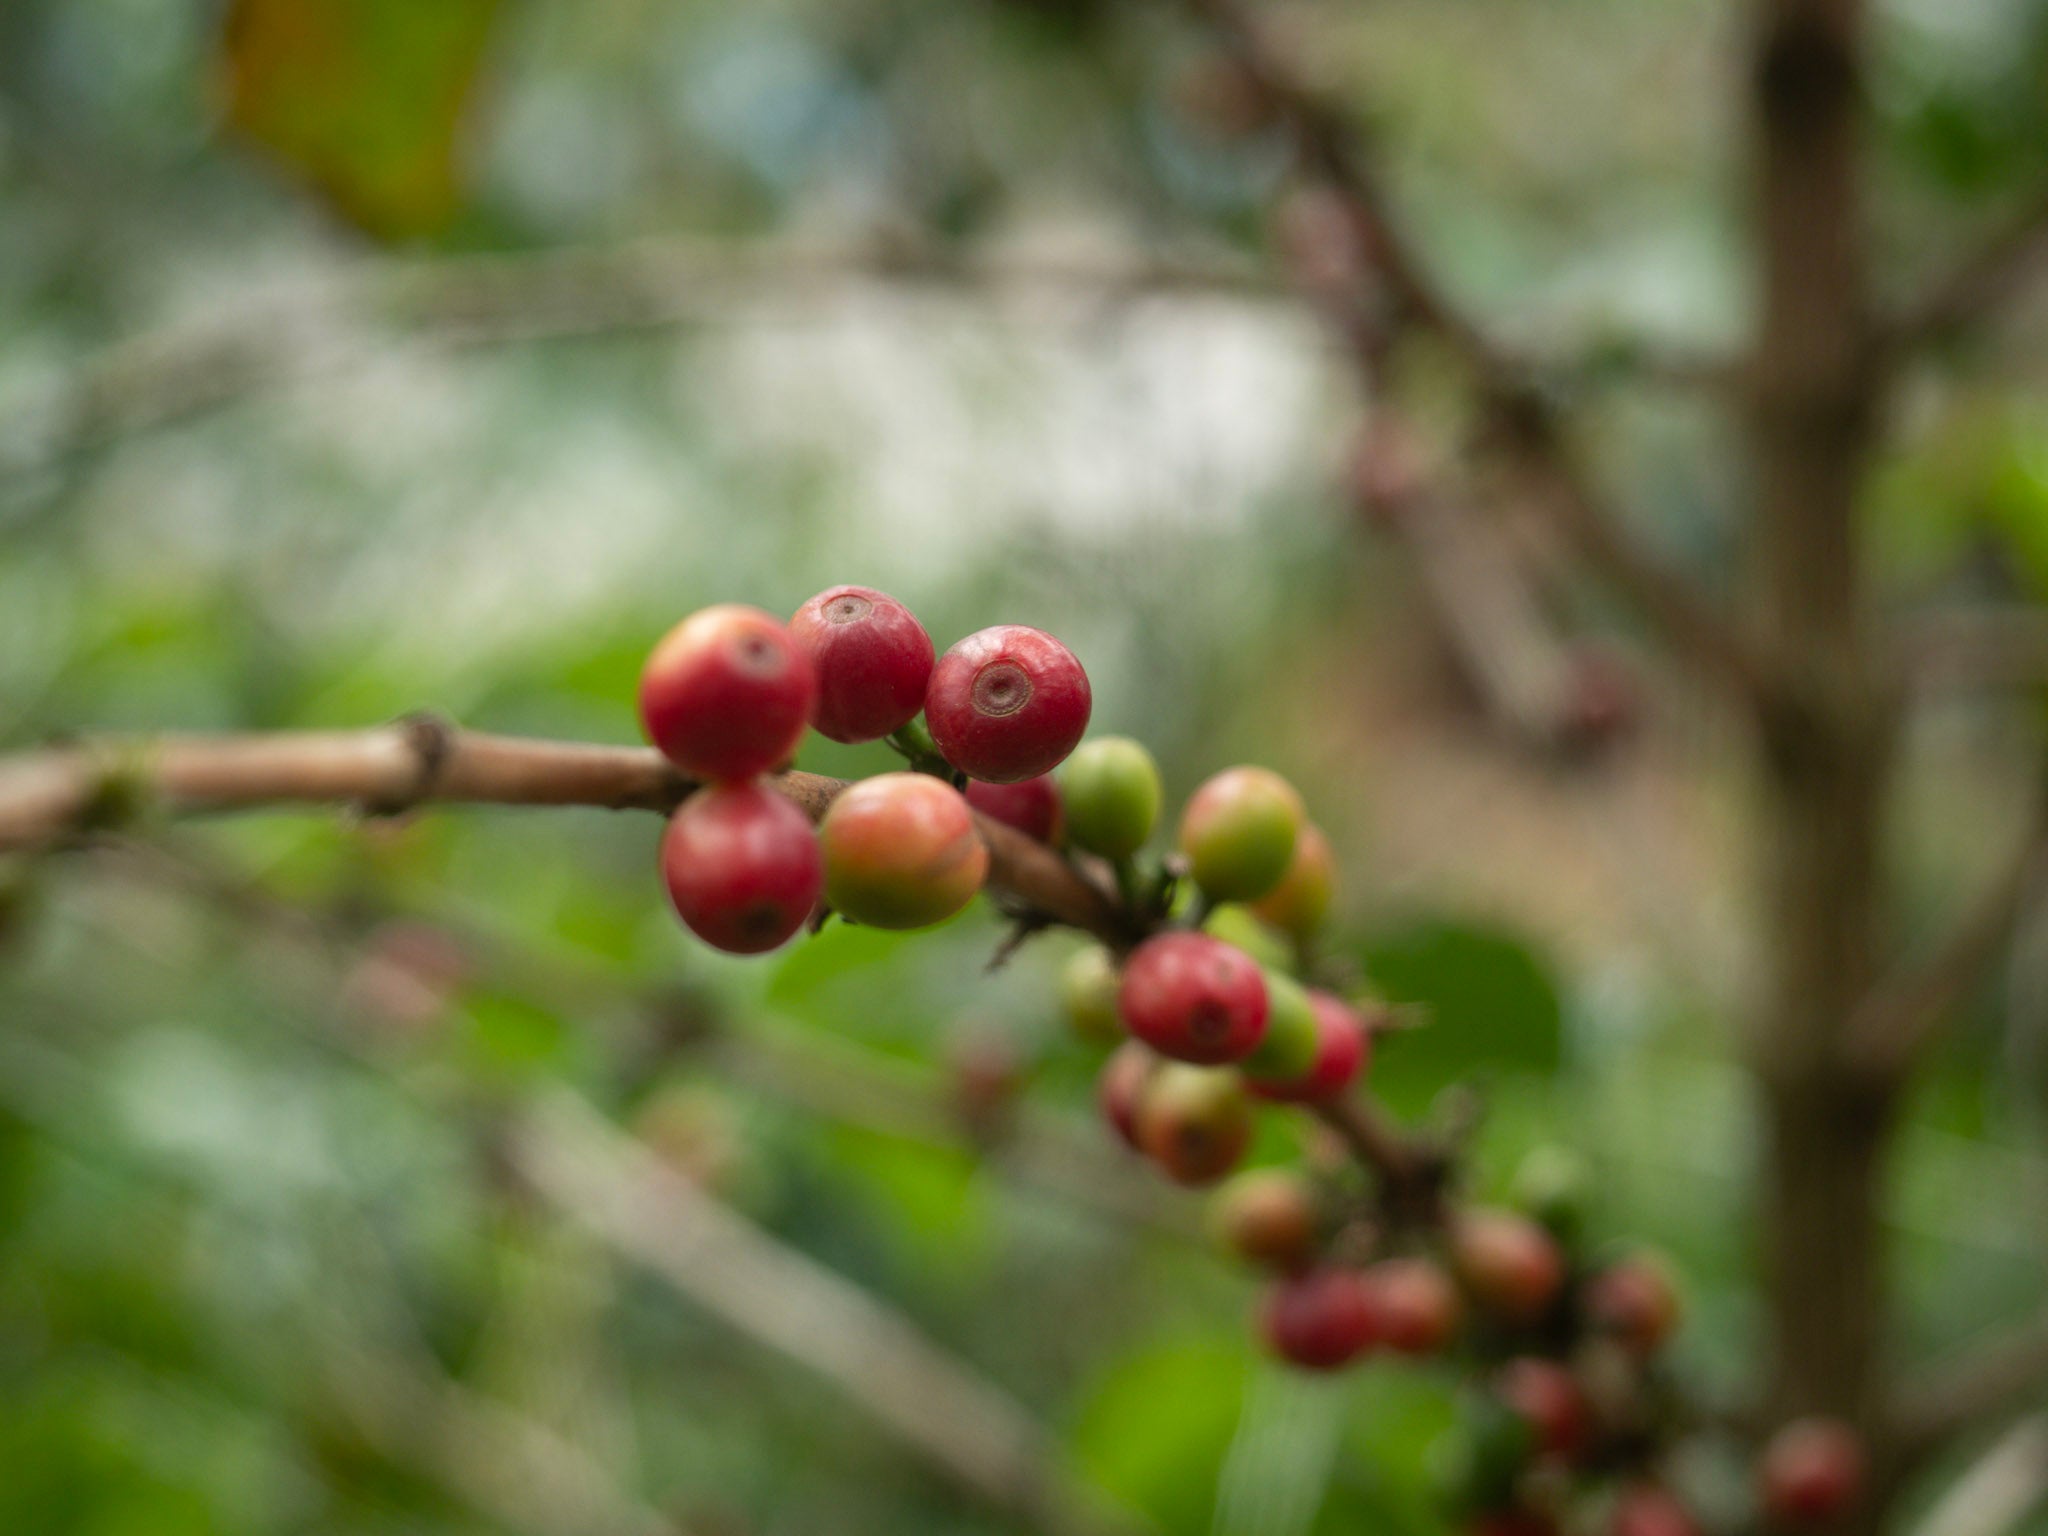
1212,1008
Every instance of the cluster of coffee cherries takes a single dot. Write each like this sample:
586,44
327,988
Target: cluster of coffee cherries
727,696
1209,1007
1570,1409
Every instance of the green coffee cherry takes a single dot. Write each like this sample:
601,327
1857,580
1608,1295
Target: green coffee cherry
1238,832
1088,984
1288,1048
1234,924
1112,791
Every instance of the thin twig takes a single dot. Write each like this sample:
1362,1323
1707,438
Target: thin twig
630,1201
1998,1373
1333,150
2013,255
1904,1012
61,792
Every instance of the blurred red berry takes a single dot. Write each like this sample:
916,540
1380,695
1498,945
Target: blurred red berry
1032,806
1548,1397
1194,1122
1194,998
872,659
1510,1265
1812,1473
1415,1305
1634,1301
1646,1509
1118,1086
1319,1320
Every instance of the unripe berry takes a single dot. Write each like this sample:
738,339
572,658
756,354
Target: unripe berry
1194,1122
1113,793
1193,998
726,694
901,851
1634,1301
1342,1046
742,867
1549,1399
1238,832
1415,1306
1292,1039
873,660
1032,806
1812,1472
1120,1085
1511,1266
1300,902
1088,987
1007,703
1233,923
1645,1509
1320,1320
1269,1217
986,1073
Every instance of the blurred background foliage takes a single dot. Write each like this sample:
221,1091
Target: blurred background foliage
245,481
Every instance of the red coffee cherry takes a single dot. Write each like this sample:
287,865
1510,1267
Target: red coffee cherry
1813,1472
1194,998
1510,1265
1299,903
742,867
1343,1045
872,657
1414,1304
1645,1509
1634,1300
1007,703
1548,1397
1320,1320
1269,1217
901,851
726,694
1194,1122
1032,806
1119,1086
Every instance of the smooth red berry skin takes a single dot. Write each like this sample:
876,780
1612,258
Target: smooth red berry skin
1119,1086
742,867
1320,1320
1269,1217
1511,1267
1032,806
1644,1509
873,661
1343,1046
901,851
1007,703
1634,1300
1194,1122
1813,1472
1549,1399
1194,998
726,694
1415,1305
